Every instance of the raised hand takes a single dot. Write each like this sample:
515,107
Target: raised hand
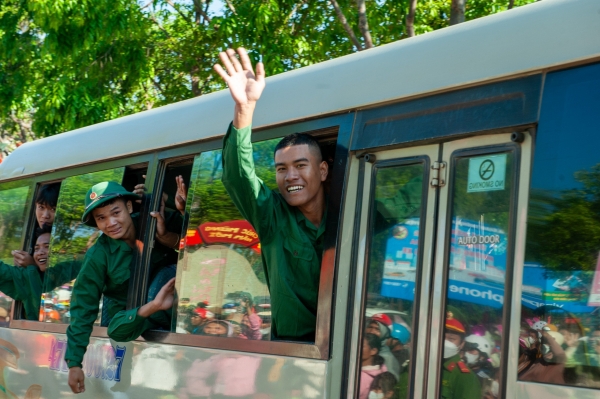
163,300
245,86
140,189
181,194
22,258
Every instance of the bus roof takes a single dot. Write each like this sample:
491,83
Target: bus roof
525,40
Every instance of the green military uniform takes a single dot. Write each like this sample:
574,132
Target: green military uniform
26,284
106,271
23,284
291,246
458,381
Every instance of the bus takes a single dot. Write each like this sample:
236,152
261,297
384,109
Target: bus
493,124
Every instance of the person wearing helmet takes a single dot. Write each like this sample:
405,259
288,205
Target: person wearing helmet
399,345
106,271
380,325
477,355
458,381
550,367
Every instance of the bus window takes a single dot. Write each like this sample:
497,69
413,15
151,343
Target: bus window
477,260
393,270
221,284
14,198
164,256
560,316
70,239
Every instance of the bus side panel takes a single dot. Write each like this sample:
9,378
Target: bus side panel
33,366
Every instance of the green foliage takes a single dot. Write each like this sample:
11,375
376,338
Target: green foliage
13,203
564,230
66,64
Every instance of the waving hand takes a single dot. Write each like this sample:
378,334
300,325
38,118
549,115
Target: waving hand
244,85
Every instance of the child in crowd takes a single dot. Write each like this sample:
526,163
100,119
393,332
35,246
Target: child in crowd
382,386
372,363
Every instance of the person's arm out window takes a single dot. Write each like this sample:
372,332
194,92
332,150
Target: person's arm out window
85,300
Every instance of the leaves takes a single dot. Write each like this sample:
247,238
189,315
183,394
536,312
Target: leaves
66,64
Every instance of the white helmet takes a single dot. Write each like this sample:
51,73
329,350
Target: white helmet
538,325
480,343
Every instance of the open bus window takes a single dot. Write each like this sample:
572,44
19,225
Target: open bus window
220,279
14,198
70,240
560,312
164,257
394,265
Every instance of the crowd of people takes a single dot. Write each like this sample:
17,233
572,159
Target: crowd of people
241,321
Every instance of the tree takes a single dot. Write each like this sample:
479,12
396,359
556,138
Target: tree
65,64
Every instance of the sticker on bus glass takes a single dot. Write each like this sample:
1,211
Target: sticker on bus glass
487,173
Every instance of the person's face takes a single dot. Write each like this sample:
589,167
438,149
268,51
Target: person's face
114,220
299,174
195,319
373,328
215,329
40,251
456,339
367,351
44,214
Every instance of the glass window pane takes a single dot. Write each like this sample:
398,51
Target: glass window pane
480,216
393,267
14,198
70,241
560,316
221,283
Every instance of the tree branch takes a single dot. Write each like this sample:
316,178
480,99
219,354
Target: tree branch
410,18
345,24
363,24
457,12
511,4
231,7
169,2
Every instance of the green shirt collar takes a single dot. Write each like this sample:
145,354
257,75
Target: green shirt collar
300,218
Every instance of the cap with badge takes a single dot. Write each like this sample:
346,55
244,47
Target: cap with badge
453,325
100,194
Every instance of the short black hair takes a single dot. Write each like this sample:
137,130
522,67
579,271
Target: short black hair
46,228
384,381
299,139
48,195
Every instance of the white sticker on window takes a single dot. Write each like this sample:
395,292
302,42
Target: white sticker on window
487,173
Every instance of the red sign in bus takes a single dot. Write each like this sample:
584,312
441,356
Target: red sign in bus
238,232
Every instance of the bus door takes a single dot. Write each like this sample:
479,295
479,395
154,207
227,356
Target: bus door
434,255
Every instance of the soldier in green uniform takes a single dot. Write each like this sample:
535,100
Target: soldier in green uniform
458,381
106,271
290,223
26,284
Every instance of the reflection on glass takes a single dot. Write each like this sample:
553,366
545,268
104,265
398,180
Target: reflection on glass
560,312
221,283
13,204
392,272
70,241
480,203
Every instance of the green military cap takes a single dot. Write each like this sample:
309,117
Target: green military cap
101,193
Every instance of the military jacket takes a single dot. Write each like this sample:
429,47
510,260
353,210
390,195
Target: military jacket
291,246
458,381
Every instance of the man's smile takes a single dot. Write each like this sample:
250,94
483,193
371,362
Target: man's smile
294,189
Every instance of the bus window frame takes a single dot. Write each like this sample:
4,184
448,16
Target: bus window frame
372,189
320,349
507,310
149,159
16,306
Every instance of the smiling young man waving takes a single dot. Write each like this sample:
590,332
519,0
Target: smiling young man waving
290,223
